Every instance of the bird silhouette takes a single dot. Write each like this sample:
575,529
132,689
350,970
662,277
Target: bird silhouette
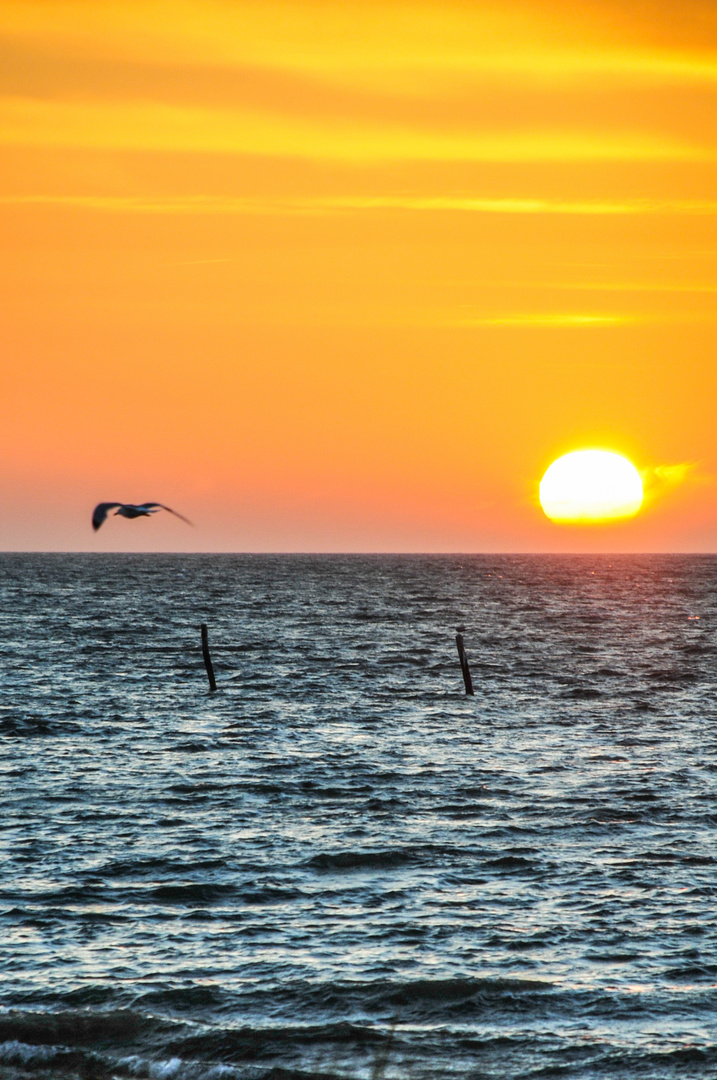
130,510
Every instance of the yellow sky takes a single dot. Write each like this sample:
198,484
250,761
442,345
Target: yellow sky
348,276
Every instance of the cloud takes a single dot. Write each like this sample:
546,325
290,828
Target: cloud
675,474
160,127
393,43
549,319
327,204
660,481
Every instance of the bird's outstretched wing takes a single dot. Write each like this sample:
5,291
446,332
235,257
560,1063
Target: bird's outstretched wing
161,506
100,513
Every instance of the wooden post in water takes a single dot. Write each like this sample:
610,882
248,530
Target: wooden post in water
207,657
464,665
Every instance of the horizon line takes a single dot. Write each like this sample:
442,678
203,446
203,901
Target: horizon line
371,554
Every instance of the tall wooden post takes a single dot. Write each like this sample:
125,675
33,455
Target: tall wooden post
207,657
464,665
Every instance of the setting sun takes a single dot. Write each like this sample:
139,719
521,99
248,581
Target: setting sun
589,486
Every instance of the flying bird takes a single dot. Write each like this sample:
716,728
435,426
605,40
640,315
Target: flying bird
130,510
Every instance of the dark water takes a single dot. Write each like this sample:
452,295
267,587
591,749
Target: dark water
338,864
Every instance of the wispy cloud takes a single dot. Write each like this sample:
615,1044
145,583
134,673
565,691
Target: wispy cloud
320,204
161,127
659,481
555,319
391,44
675,474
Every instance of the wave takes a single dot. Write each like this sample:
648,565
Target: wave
205,1033
359,860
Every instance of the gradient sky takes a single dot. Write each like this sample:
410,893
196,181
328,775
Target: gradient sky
349,276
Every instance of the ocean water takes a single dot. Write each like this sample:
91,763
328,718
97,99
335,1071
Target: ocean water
338,865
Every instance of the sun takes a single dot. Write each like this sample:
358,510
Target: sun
590,486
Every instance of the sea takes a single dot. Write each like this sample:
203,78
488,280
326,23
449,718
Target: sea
339,864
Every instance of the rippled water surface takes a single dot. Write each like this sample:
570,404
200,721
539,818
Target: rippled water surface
338,864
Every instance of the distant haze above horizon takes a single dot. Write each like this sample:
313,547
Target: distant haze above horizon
350,277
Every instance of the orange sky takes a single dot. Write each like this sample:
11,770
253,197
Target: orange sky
348,276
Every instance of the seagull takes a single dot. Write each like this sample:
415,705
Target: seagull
130,510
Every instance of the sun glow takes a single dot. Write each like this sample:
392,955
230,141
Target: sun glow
590,486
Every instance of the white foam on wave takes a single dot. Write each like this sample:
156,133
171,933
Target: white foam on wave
165,1070
14,1052
171,1068
155,1070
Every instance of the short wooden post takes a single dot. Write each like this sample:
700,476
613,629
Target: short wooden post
207,657
464,665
